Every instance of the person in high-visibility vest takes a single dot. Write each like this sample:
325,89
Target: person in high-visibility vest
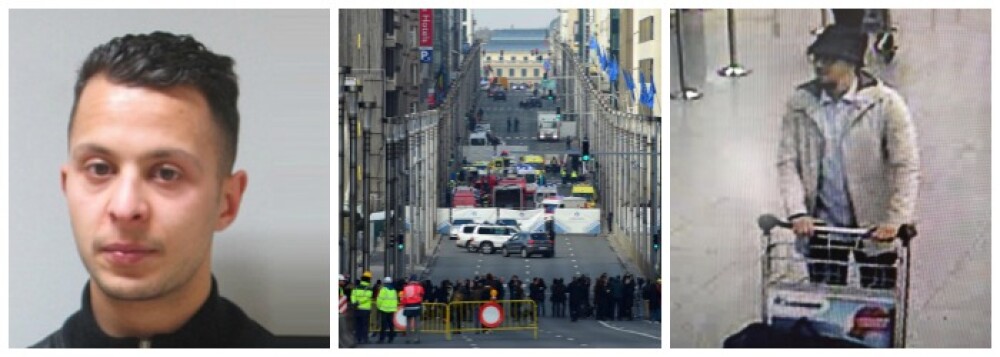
361,298
562,173
413,298
387,303
572,176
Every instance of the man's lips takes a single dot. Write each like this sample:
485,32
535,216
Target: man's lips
125,253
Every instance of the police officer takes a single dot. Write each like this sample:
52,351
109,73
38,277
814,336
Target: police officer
387,303
361,298
573,177
562,173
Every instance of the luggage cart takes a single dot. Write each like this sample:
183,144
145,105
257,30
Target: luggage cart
794,292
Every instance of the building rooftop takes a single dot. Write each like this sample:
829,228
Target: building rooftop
516,45
520,34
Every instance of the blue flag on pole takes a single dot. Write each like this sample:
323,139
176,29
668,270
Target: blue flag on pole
613,70
593,44
642,87
629,83
651,97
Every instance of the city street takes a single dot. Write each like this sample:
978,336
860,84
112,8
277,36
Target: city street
723,154
445,94
590,255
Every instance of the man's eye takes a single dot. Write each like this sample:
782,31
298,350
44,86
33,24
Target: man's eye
165,173
99,169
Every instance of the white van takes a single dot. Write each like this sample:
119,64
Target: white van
544,192
478,139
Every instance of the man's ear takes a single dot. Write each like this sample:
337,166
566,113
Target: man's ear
63,171
233,188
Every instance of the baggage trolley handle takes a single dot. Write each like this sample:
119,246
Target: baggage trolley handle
768,222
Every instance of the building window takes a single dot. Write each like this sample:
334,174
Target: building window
511,72
524,72
536,72
646,29
526,58
513,59
487,58
501,58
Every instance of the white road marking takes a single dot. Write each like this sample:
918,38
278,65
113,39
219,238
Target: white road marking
628,331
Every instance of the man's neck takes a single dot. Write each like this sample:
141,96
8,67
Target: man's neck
144,319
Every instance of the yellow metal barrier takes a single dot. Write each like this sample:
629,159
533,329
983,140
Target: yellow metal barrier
463,316
519,315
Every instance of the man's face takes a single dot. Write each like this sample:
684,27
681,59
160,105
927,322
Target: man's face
830,71
143,187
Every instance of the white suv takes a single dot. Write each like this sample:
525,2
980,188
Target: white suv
456,226
484,237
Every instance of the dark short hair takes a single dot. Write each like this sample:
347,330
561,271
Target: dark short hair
163,60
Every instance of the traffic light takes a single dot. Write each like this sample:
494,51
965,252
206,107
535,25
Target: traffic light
400,242
656,241
586,150
551,95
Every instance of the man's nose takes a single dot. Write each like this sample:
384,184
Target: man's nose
128,204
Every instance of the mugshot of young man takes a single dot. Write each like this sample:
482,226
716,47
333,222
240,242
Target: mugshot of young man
148,181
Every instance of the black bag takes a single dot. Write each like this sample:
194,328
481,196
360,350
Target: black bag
801,335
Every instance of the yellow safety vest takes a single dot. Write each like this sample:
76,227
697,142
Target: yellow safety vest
573,175
362,296
387,301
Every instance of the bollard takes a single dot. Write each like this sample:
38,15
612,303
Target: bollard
684,92
733,70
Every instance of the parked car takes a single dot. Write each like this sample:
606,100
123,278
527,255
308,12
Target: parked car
486,238
531,102
528,244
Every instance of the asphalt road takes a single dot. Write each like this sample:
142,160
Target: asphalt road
590,255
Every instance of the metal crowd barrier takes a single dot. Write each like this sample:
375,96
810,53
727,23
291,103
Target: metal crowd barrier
463,317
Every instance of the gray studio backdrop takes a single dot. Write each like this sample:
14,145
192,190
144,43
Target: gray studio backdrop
274,261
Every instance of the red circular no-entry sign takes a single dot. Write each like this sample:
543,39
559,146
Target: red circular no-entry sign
399,320
491,314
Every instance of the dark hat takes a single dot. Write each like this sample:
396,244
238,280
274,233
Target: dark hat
841,42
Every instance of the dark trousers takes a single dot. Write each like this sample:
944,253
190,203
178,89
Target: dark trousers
574,310
558,309
361,320
388,328
875,277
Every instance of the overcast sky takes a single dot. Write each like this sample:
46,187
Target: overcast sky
523,19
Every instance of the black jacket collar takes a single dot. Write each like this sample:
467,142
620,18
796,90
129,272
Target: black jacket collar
217,323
